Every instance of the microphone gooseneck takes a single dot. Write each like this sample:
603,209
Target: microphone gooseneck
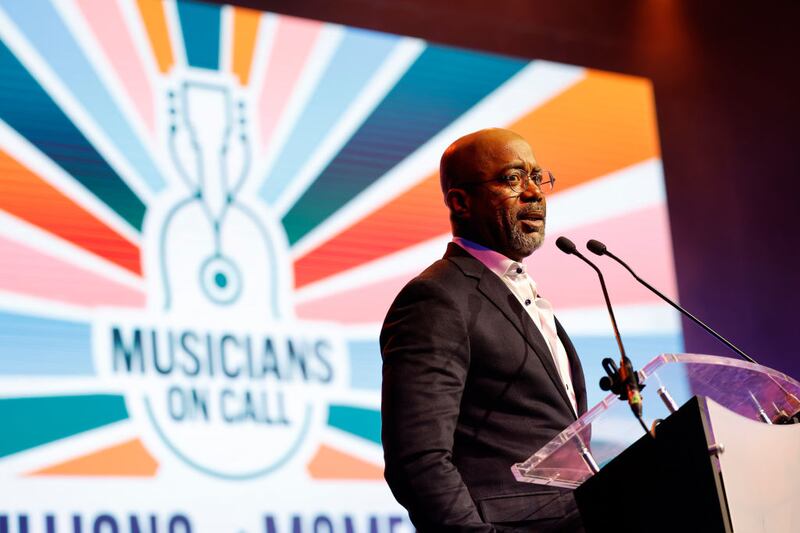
623,381
569,248
598,248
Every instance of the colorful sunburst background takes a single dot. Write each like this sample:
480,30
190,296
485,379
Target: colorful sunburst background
347,128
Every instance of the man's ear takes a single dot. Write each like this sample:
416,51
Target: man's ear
459,203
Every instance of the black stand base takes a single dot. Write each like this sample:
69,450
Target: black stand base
668,483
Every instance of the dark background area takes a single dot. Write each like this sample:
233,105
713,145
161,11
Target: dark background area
726,85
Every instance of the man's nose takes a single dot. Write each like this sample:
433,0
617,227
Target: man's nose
532,192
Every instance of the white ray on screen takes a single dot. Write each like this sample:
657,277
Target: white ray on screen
92,50
144,50
35,386
528,89
141,42
351,445
226,39
30,236
409,261
175,33
631,188
633,319
368,399
327,42
375,90
360,332
22,304
41,165
262,52
69,448
61,95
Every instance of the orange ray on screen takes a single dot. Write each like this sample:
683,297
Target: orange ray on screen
603,123
129,459
245,31
417,215
155,22
557,273
27,196
329,463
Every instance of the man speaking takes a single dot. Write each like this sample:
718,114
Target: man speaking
477,372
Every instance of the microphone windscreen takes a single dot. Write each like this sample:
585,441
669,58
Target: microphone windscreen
596,247
566,245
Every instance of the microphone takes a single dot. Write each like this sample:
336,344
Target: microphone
623,381
598,248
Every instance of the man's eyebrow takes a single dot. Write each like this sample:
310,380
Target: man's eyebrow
520,164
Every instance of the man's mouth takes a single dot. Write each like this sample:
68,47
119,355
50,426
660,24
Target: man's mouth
531,215
531,221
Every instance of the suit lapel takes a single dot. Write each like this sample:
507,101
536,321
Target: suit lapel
576,369
501,297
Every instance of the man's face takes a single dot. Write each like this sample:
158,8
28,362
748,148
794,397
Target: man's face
508,222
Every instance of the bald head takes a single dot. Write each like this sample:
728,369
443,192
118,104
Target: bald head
480,176
466,158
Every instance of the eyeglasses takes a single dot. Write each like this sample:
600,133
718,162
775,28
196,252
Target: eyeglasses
518,180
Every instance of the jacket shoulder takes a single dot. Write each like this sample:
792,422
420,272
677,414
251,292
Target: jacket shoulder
428,297
443,276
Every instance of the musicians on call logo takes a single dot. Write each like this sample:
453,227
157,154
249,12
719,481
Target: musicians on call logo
228,381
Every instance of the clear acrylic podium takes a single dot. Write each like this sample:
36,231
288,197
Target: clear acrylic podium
719,456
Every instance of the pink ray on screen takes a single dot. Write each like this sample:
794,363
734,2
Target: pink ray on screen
365,304
33,273
294,39
108,25
641,237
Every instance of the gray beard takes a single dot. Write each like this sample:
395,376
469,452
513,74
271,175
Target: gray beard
525,243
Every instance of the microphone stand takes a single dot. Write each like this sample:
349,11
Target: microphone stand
622,381
598,248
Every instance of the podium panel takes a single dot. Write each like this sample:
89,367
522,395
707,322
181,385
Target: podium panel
752,391
760,466
660,485
726,460
707,469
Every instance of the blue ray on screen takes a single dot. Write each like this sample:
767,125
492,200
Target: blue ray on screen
36,346
365,364
441,85
27,108
357,58
42,25
200,24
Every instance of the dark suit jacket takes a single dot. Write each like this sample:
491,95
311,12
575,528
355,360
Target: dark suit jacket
469,388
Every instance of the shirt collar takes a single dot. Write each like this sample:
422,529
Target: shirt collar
494,261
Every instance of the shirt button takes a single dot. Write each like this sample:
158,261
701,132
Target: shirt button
528,301
519,270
